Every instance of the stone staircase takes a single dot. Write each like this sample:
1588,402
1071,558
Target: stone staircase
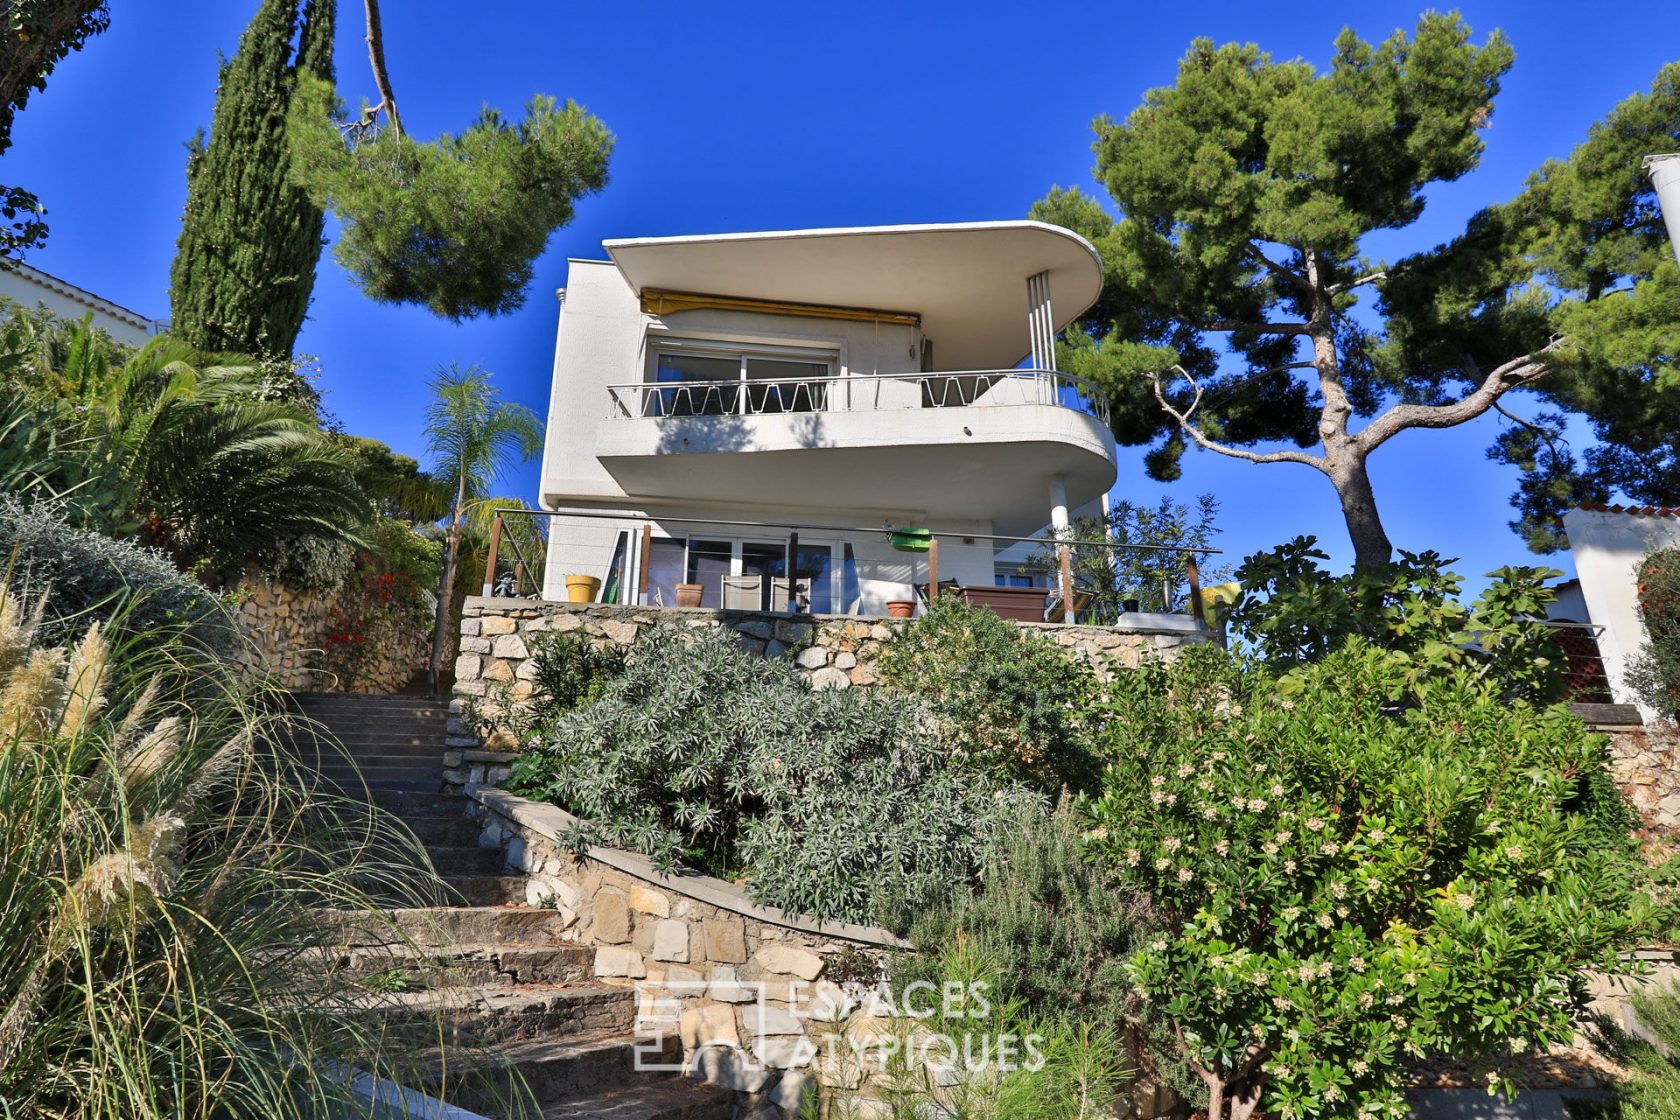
527,1030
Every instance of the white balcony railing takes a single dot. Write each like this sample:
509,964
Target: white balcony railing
857,393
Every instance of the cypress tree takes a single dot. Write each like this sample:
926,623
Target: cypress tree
245,261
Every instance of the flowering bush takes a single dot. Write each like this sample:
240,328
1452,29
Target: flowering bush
1343,881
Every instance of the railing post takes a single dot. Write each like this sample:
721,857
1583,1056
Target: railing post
519,577
647,558
792,566
933,570
1066,556
1195,572
490,560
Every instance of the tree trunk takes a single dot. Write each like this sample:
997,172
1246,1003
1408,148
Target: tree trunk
1371,547
446,592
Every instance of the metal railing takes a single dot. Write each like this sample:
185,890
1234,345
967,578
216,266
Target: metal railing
1067,593
868,392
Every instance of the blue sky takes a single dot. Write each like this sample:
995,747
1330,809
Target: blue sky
775,116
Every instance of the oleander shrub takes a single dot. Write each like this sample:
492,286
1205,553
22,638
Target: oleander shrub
834,804
1655,672
569,670
168,886
82,577
1360,870
1008,699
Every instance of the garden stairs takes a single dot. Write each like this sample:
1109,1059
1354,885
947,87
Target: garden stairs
529,1032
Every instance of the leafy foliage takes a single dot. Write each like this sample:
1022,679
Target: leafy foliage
35,36
454,224
1655,672
1344,883
831,804
1007,701
80,577
162,871
570,670
1650,1090
250,238
1157,580
1592,226
1296,613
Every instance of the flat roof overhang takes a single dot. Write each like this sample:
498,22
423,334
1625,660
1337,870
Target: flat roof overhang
985,464
965,281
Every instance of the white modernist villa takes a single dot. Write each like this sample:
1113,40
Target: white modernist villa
711,392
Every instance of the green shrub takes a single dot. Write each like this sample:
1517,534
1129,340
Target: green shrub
570,670
163,881
1649,1087
1293,612
86,577
831,804
983,1055
1345,883
1655,673
1008,699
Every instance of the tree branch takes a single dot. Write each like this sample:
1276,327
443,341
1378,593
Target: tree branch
1513,374
1350,285
1257,328
1203,441
1278,270
381,76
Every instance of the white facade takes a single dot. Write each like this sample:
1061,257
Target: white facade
827,383
30,287
1608,546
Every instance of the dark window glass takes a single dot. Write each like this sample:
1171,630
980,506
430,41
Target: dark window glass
708,563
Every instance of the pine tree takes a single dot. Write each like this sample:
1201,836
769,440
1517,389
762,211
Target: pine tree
245,262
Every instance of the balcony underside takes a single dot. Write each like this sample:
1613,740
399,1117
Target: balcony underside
992,464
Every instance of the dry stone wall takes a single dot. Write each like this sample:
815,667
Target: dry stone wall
1646,763
836,651
287,630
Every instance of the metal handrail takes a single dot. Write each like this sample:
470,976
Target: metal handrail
854,393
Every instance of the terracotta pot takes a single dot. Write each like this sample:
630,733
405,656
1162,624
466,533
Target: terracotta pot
901,608
688,594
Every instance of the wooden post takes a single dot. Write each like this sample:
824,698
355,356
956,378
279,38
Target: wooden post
933,570
647,558
518,577
490,561
1067,582
1196,611
792,566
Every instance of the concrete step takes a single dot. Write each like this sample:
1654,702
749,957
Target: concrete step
339,700
449,925
485,1016
648,1098
467,860
343,773
487,890
444,831
549,1071
409,803
464,966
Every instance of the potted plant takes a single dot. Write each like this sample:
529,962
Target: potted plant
582,589
688,594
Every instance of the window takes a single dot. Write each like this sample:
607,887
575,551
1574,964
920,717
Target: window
707,379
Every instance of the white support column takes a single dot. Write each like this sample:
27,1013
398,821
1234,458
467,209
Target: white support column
1059,530
1041,321
1665,180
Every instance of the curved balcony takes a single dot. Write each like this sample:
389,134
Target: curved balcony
975,444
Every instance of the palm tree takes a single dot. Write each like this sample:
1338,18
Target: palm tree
472,436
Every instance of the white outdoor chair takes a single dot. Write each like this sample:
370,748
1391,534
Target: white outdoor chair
779,595
743,593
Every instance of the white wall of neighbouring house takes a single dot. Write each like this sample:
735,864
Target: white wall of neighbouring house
1608,546
31,288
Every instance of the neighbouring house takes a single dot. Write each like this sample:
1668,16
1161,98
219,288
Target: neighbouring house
723,404
1608,543
30,287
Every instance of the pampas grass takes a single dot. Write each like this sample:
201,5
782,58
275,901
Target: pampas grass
165,878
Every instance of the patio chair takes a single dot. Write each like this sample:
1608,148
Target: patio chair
779,595
743,593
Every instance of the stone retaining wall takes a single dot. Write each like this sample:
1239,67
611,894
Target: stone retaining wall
835,651
768,1004
287,630
1646,763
